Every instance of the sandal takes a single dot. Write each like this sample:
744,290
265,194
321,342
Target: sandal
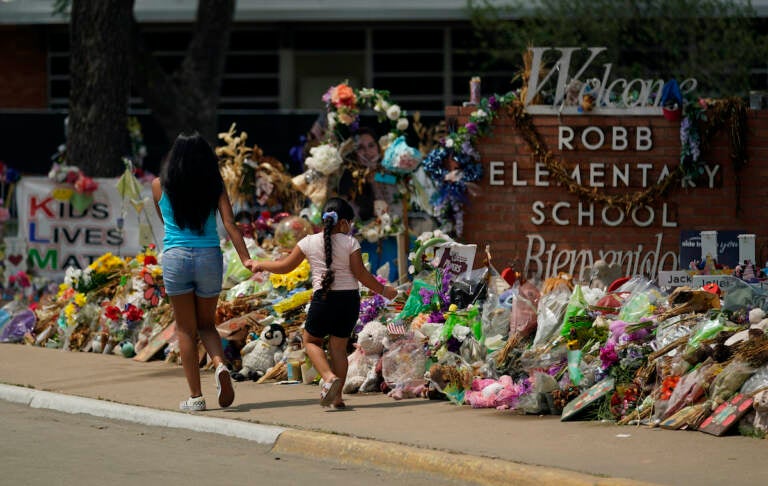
339,406
329,392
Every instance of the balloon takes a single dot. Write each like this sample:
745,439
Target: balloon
290,230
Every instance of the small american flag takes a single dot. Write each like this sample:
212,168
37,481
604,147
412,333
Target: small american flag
396,329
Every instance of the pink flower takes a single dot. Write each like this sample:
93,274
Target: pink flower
343,95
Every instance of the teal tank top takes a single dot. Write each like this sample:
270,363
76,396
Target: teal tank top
177,237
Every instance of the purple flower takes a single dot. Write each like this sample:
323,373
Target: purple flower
453,345
608,355
471,128
369,309
426,295
493,103
436,317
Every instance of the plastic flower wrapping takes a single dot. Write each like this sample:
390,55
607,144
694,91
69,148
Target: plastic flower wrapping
401,158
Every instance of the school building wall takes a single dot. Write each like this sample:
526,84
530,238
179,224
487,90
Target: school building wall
503,215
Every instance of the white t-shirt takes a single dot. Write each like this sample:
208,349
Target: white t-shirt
313,247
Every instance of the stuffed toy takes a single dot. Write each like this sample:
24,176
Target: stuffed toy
451,379
501,394
413,389
260,355
362,375
760,404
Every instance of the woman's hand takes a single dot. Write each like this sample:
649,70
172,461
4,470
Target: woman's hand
389,292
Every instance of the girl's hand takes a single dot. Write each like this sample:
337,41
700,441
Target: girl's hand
389,292
252,265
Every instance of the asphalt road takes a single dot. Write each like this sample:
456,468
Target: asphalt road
43,447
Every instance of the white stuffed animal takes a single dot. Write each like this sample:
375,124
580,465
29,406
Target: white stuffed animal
261,354
760,404
361,375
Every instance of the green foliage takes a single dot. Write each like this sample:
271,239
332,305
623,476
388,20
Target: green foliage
715,41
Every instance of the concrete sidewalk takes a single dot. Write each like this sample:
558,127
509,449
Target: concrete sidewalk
424,435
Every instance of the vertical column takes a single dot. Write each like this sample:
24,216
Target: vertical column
746,248
709,245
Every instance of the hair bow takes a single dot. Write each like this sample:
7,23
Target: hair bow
332,215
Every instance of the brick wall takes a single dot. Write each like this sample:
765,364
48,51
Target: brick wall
22,68
503,215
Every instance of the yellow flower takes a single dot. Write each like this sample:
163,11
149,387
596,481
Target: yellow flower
69,311
453,308
62,288
80,299
156,270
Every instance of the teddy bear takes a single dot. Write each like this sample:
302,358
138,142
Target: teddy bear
452,380
362,375
760,405
489,393
261,354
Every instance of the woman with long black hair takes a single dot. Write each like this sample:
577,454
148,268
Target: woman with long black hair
188,194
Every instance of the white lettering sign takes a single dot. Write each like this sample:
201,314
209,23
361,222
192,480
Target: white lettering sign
604,89
544,260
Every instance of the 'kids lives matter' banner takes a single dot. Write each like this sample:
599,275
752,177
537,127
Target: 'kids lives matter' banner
59,236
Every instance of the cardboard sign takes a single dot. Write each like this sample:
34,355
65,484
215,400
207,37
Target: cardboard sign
590,396
156,343
459,258
726,415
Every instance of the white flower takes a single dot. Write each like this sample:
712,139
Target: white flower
393,112
381,104
402,124
411,269
448,142
412,255
324,159
367,93
72,276
331,121
479,115
88,276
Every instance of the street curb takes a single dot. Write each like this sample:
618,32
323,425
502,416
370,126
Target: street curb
262,434
318,445
400,458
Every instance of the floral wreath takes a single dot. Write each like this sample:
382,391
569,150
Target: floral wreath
464,166
343,104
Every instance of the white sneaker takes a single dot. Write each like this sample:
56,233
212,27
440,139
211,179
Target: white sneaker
196,404
224,388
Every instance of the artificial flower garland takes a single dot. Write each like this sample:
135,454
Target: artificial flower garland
458,148
343,104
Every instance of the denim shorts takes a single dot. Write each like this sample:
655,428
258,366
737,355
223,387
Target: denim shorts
198,270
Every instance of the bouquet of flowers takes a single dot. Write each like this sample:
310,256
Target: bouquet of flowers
324,159
292,279
342,104
77,188
400,158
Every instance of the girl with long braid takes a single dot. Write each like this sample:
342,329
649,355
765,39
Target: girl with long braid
337,270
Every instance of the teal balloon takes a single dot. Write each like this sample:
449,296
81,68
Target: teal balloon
127,349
